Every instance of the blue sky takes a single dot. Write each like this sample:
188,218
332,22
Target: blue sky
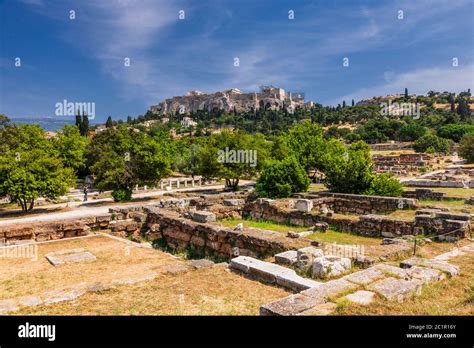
82,60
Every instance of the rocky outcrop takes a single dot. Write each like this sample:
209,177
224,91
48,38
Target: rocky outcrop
230,100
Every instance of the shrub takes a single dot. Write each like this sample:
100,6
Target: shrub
410,132
385,184
455,132
122,195
466,147
432,141
282,178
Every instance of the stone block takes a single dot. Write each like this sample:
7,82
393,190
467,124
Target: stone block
234,202
361,297
448,268
289,257
294,282
290,305
330,266
390,270
304,205
64,295
425,274
8,306
69,256
202,263
330,288
203,216
399,290
365,277
321,309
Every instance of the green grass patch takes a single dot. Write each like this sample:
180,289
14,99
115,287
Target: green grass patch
265,225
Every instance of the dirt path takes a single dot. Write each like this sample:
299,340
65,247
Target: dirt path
89,208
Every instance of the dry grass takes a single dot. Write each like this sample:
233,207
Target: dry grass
213,291
115,259
403,215
454,296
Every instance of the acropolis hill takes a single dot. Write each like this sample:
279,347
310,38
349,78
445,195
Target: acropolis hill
230,100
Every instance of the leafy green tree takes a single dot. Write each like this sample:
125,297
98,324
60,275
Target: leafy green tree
282,178
4,120
463,108
109,123
433,142
123,157
466,147
231,156
385,184
30,167
306,142
455,131
84,128
71,147
411,131
347,171
78,120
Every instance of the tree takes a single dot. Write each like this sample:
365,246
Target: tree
353,103
466,147
347,171
4,120
411,132
123,157
433,143
385,184
282,178
306,142
463,109
231,156
78,120
30,167
455,131
71,147
84,128
109,122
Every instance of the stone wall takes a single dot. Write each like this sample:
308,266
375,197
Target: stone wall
212,239
436,223
424,194
363,204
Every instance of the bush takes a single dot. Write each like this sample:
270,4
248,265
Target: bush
347,170
385,184
122,195
466,147
282,178
411,132
433,143
455,131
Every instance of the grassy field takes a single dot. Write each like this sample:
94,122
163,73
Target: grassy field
454,296
214,291
453,205
330,236
265,225
115,260
449,191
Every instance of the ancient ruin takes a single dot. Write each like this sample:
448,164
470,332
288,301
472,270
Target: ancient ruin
232,100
